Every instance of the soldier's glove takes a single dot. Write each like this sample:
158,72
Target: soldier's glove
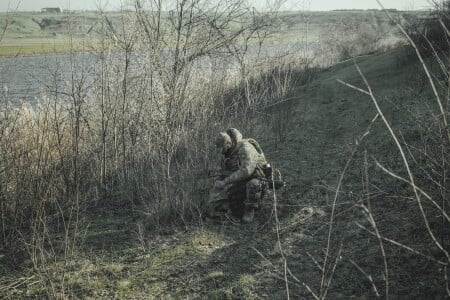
220,184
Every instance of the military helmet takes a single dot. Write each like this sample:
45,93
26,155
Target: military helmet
221,139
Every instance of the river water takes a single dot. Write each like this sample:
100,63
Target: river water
30,78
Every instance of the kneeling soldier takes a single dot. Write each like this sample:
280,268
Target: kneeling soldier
242,186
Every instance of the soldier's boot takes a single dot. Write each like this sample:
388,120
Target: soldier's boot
254,193
249,215
216,211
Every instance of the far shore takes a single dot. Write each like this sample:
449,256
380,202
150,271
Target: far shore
14,50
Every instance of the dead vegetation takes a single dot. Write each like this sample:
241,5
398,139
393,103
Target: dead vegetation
94,176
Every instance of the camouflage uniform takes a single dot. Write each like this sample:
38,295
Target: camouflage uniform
243,186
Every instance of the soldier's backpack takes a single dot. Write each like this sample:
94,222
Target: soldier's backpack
256,145
272,175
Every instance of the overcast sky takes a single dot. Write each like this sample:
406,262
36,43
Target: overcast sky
36,5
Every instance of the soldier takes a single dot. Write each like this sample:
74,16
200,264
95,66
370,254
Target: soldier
241,187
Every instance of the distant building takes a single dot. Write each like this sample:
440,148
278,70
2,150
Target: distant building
52,10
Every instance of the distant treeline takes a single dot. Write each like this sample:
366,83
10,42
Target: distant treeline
370,9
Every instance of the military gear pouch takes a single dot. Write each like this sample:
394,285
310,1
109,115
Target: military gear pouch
267,169
273,177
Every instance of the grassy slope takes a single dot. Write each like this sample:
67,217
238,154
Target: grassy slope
222,261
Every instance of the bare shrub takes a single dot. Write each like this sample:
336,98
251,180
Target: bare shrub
346,39
40,205
131,131
430,31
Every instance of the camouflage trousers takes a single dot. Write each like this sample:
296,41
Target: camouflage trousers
236,197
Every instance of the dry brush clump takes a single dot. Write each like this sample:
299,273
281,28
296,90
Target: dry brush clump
348,37
268,85
131,131
38,198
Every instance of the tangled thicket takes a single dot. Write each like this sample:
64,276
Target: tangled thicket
129,131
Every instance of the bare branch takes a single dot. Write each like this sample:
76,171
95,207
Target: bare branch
369,277
403,246
353,87
415,187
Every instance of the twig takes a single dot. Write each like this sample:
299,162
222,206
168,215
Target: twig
323,284
383,253
368,210
315,261
338,257
289,272
369,277
444,27
416,187
403,246
277,226
17,283
405,162
446,280
353,87
304,284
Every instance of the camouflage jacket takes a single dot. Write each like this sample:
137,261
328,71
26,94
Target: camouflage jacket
243,162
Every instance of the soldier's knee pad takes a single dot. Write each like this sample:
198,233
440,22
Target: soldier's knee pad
254,189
